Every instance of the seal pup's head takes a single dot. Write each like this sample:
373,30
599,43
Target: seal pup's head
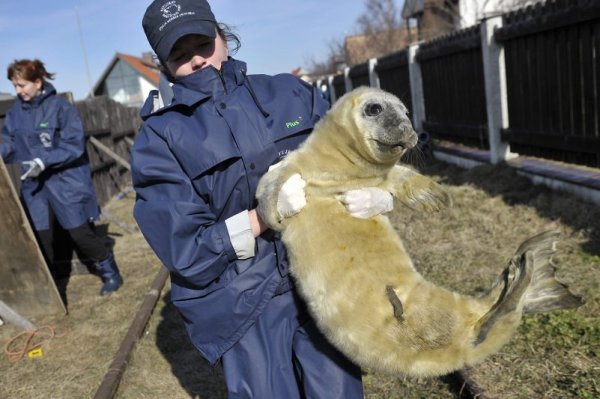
376,122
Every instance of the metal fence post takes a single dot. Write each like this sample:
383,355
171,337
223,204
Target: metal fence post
332,96
347,80
495,90
416,89
373,77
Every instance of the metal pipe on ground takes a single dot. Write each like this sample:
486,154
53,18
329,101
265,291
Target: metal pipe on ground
112,378
9,315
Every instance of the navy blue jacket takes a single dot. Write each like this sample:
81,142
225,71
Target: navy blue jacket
48,127
196,163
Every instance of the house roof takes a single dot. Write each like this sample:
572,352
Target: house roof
147,69
412,8
359,48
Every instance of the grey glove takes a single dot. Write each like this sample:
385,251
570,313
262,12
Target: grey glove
35,167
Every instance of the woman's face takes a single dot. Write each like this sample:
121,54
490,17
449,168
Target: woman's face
26,89
193,52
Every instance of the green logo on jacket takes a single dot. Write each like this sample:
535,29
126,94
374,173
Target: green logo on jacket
43,124
291,124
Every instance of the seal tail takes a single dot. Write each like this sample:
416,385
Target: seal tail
527,285
545,292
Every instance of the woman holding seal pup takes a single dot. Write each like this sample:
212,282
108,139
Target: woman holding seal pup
196,164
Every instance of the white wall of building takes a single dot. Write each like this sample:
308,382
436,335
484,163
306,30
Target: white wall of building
473,11
145,88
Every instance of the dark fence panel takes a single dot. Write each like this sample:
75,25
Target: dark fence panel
454,88
359,75
339,86
394,76
553,80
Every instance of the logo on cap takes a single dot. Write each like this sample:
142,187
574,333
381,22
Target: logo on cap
171,10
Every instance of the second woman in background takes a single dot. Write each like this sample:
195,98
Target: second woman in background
43,132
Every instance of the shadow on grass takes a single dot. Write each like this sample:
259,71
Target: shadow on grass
514,189
196,376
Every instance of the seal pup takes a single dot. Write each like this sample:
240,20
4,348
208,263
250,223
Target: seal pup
357,279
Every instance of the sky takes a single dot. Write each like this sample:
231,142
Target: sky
77,39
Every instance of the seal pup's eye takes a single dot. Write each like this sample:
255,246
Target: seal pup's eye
373,109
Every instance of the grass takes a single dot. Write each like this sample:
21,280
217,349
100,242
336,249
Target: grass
553,355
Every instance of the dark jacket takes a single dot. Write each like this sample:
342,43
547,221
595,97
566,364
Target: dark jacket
196,163
49,128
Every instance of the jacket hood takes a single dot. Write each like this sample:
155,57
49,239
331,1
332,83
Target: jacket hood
47,91
200,85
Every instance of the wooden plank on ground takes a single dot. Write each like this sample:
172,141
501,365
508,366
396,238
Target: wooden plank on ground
26,284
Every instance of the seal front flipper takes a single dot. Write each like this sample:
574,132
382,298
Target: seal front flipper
396,303
415,190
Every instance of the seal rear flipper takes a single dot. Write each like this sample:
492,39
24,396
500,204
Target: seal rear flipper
547,293
517,277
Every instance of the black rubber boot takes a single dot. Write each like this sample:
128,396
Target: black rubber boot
109,273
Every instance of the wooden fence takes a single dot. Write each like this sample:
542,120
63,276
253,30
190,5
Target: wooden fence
110,129
540,88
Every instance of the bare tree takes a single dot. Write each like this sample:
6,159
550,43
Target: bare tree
334,60
378,30
380,24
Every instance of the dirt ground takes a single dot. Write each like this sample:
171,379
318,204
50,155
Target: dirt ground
463,248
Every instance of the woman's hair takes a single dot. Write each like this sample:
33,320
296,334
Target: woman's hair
28,70
227,34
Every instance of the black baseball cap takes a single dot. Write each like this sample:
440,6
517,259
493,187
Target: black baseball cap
167,21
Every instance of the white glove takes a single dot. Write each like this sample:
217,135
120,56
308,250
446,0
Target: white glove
291,198
36,166
367,202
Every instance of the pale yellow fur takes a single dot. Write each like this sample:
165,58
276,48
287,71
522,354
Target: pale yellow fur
342,265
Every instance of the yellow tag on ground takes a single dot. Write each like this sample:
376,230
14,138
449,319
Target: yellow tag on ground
35,353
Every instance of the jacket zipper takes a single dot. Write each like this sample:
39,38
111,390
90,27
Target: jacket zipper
220,73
